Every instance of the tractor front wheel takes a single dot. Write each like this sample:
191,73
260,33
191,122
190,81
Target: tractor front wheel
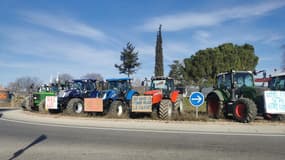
42,107
117,109
75,106
244,110
178,105
165,109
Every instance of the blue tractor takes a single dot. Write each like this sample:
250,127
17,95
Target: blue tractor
117,96
71,99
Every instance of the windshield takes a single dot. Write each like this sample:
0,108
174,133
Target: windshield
244,80
158,84
241,79
277,83
77,85
162,85
118,85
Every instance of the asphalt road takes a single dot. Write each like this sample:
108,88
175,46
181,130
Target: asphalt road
40,141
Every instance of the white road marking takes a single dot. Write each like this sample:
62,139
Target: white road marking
146,130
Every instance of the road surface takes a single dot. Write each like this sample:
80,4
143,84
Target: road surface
32,140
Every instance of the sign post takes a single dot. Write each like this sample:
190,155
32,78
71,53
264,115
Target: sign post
196,99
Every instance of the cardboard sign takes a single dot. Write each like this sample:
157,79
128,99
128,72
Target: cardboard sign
3,96
274,102
142,104
93,104
51,102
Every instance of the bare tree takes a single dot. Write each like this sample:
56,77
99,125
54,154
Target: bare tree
24,84
96,76
61,78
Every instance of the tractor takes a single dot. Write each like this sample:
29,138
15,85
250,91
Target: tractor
235,94
35,101
165,99
117,96
71,99
276,85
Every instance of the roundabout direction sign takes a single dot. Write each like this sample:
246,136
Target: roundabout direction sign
196,99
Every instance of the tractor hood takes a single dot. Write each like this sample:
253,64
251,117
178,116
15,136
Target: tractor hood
68,93
153,92
156,95
109,94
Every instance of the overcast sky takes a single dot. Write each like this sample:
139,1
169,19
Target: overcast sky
40,38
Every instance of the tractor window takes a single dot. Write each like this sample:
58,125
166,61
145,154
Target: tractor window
158,84
90,86
224,81
118,85
277,83
77,85
220,81
112,85
228,81
123,85
243,79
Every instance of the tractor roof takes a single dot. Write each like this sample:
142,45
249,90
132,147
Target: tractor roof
278,74
118,79
234,72
83,80
160,78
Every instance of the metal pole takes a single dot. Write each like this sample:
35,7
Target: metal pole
196,112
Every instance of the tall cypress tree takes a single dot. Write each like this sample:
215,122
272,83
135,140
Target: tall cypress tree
158,70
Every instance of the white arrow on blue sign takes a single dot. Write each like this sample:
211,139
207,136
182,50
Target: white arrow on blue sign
196,99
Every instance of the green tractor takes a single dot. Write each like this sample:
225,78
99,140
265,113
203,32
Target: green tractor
36,100
236,95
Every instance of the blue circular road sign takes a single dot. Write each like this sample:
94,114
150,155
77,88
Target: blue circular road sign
196,99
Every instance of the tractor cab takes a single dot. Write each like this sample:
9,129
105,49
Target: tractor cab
120,84
235,80
165,85
277,82
235,84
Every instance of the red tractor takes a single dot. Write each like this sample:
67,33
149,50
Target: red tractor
166,100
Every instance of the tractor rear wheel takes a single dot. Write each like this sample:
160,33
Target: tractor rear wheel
75,106
117,109
42,107
244,110
165,109
213,106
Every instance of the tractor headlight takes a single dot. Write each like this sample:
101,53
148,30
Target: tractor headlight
64,94
104,96
35,98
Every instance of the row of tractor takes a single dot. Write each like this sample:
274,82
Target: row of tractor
114,97
235,96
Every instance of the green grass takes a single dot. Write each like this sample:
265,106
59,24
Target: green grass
189,108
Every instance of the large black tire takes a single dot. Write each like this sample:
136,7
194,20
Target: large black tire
244,110
165,109
42,108
178,106
75,106
214,108
26,104
117,109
